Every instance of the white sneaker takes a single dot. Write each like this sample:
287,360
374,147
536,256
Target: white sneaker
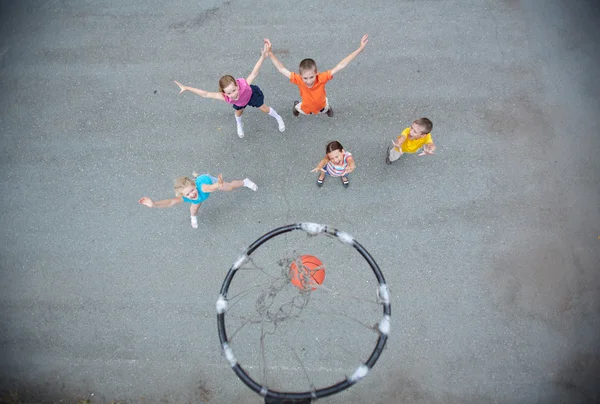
250,184
281,125
194,222
240,130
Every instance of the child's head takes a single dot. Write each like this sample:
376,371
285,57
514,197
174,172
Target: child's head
308,72
420,127
229,87
335,152
185,186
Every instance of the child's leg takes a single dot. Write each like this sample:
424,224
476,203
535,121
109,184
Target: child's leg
230,186
268,110
395,153
321,178
193,214
238,121
298,108
345,180
328,110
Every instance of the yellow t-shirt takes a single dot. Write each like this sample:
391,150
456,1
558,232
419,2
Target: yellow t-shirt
412,145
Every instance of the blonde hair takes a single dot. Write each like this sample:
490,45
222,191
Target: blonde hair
225,81
182,182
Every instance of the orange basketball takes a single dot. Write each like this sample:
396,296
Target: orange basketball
312,272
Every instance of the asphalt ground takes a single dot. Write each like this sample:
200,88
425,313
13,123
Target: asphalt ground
490,247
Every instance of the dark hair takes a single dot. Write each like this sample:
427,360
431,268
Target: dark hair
333,146
425,123
307,64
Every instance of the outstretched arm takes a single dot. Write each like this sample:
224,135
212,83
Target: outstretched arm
321,164
398,142
428,148
165,203
213,187
351,165
278,65
201,93
350,57
257,66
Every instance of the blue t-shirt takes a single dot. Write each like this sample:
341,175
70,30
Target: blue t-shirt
202,196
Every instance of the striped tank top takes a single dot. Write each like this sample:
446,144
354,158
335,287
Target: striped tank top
336,171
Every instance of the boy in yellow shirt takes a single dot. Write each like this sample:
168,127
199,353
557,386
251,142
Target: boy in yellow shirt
411,140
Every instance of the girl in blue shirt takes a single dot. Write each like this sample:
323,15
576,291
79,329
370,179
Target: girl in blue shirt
197,191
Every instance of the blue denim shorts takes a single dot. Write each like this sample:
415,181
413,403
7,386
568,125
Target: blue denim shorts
329,175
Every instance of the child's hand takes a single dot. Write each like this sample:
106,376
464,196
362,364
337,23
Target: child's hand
348,170
181,87
314,170
268,45
427,149
265,51
397,143
146,201
364,41
220,181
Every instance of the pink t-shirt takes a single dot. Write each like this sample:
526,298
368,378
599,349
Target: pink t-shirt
245,94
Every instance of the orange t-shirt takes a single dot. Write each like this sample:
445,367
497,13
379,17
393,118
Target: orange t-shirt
313,99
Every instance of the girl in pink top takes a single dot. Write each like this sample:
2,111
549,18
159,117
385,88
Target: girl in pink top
240,93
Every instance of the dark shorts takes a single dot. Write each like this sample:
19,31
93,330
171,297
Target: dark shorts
257,99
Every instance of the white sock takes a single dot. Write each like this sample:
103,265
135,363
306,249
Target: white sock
250,184
275,115
240,126
194,221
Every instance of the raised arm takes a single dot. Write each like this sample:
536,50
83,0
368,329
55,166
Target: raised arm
428,148
399,140
278,65
257,66
321,164
201,93
214,187
350,57
165,203
351,165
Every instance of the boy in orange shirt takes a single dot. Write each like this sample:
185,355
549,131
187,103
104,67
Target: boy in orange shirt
311,83
413,138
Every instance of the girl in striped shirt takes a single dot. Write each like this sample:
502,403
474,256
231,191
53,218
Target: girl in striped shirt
336,163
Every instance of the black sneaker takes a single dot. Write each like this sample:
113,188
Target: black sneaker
330,112
294,110
387,155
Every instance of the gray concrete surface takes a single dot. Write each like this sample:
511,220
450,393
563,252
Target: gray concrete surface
490,247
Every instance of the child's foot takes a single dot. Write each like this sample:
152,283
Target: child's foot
294,110
345,182
240,130
194,222
387,155
281,124
250,184
320,180
330,112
